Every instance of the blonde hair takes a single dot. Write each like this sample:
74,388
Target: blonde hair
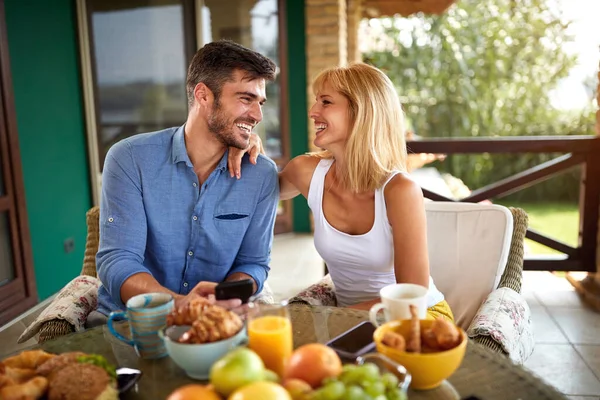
376,144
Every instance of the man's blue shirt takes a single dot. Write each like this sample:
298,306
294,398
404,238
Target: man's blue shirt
155,217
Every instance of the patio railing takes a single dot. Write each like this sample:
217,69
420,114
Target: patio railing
577,150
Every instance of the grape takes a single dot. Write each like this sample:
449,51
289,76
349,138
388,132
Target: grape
370,372
349,367
390,380
333,391
374,388
329,380
352,376
354,392
396,394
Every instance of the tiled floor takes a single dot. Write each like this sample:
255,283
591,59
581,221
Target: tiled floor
567,352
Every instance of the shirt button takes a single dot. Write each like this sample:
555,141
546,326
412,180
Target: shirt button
190,253
194,184
185,284
111,219
195,218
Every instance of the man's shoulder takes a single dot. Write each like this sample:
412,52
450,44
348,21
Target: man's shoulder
264,165
266,162
161,137
142,143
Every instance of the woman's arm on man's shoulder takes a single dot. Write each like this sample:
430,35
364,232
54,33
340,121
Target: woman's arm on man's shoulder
295,177
406,213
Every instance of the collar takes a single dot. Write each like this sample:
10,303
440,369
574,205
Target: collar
179,151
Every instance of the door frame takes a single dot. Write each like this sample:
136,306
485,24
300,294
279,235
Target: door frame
20,294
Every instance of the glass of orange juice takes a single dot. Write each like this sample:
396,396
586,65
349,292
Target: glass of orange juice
270,334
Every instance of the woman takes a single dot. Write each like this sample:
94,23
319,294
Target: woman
369,216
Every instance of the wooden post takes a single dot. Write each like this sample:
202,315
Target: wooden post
589,287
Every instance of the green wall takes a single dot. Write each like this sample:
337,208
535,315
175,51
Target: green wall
296,45
42,38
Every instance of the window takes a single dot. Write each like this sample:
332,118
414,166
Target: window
135,55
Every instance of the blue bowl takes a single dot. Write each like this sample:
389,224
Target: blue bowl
197,359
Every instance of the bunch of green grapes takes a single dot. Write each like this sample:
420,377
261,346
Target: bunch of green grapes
360,382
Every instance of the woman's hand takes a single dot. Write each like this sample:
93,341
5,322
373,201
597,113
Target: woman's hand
234,159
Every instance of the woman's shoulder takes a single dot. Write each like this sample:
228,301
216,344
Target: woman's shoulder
302,164
401,187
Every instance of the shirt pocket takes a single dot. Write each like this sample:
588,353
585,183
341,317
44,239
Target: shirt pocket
231,216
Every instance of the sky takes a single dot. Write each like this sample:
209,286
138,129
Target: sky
584,15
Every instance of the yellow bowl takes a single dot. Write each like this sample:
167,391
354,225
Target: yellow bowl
428,370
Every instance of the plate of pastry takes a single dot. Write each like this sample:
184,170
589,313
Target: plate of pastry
36,374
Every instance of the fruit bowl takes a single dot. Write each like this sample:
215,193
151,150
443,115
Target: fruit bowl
428,370
196,359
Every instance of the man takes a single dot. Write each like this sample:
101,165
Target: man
172,219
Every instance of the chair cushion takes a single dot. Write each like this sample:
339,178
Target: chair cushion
506,318
468,250
72,304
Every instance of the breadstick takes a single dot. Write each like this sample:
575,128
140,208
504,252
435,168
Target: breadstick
413,345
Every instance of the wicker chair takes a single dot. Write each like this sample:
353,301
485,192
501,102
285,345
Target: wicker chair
59,327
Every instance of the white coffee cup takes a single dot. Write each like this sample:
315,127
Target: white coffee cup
396,299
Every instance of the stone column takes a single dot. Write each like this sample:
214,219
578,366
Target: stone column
354,11
326,44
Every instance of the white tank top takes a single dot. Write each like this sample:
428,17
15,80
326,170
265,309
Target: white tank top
359,265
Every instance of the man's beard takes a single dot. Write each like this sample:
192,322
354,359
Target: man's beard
220,126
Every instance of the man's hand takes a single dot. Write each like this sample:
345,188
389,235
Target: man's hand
207,290
240,276
234,158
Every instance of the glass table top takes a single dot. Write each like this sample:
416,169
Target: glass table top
483,374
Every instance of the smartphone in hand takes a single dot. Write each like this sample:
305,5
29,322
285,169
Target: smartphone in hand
235,290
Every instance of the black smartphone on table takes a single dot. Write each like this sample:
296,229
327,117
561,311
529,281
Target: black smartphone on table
355,342
235,290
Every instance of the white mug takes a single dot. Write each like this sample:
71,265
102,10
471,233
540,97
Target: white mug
396,299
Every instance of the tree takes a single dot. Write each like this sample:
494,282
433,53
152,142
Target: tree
484,68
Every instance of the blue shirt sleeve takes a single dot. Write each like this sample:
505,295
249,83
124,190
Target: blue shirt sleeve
255,251
122,222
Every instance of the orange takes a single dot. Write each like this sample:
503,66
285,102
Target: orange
194,392
312,363
261,390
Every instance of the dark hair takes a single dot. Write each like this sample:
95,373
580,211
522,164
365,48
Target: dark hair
215,63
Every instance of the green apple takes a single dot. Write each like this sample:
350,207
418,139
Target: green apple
237,368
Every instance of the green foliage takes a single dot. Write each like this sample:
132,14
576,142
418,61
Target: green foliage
484,68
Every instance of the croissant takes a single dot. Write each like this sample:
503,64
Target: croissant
189,312
19,375
30,359
32,389
6,381
446,334
394,340
213,324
